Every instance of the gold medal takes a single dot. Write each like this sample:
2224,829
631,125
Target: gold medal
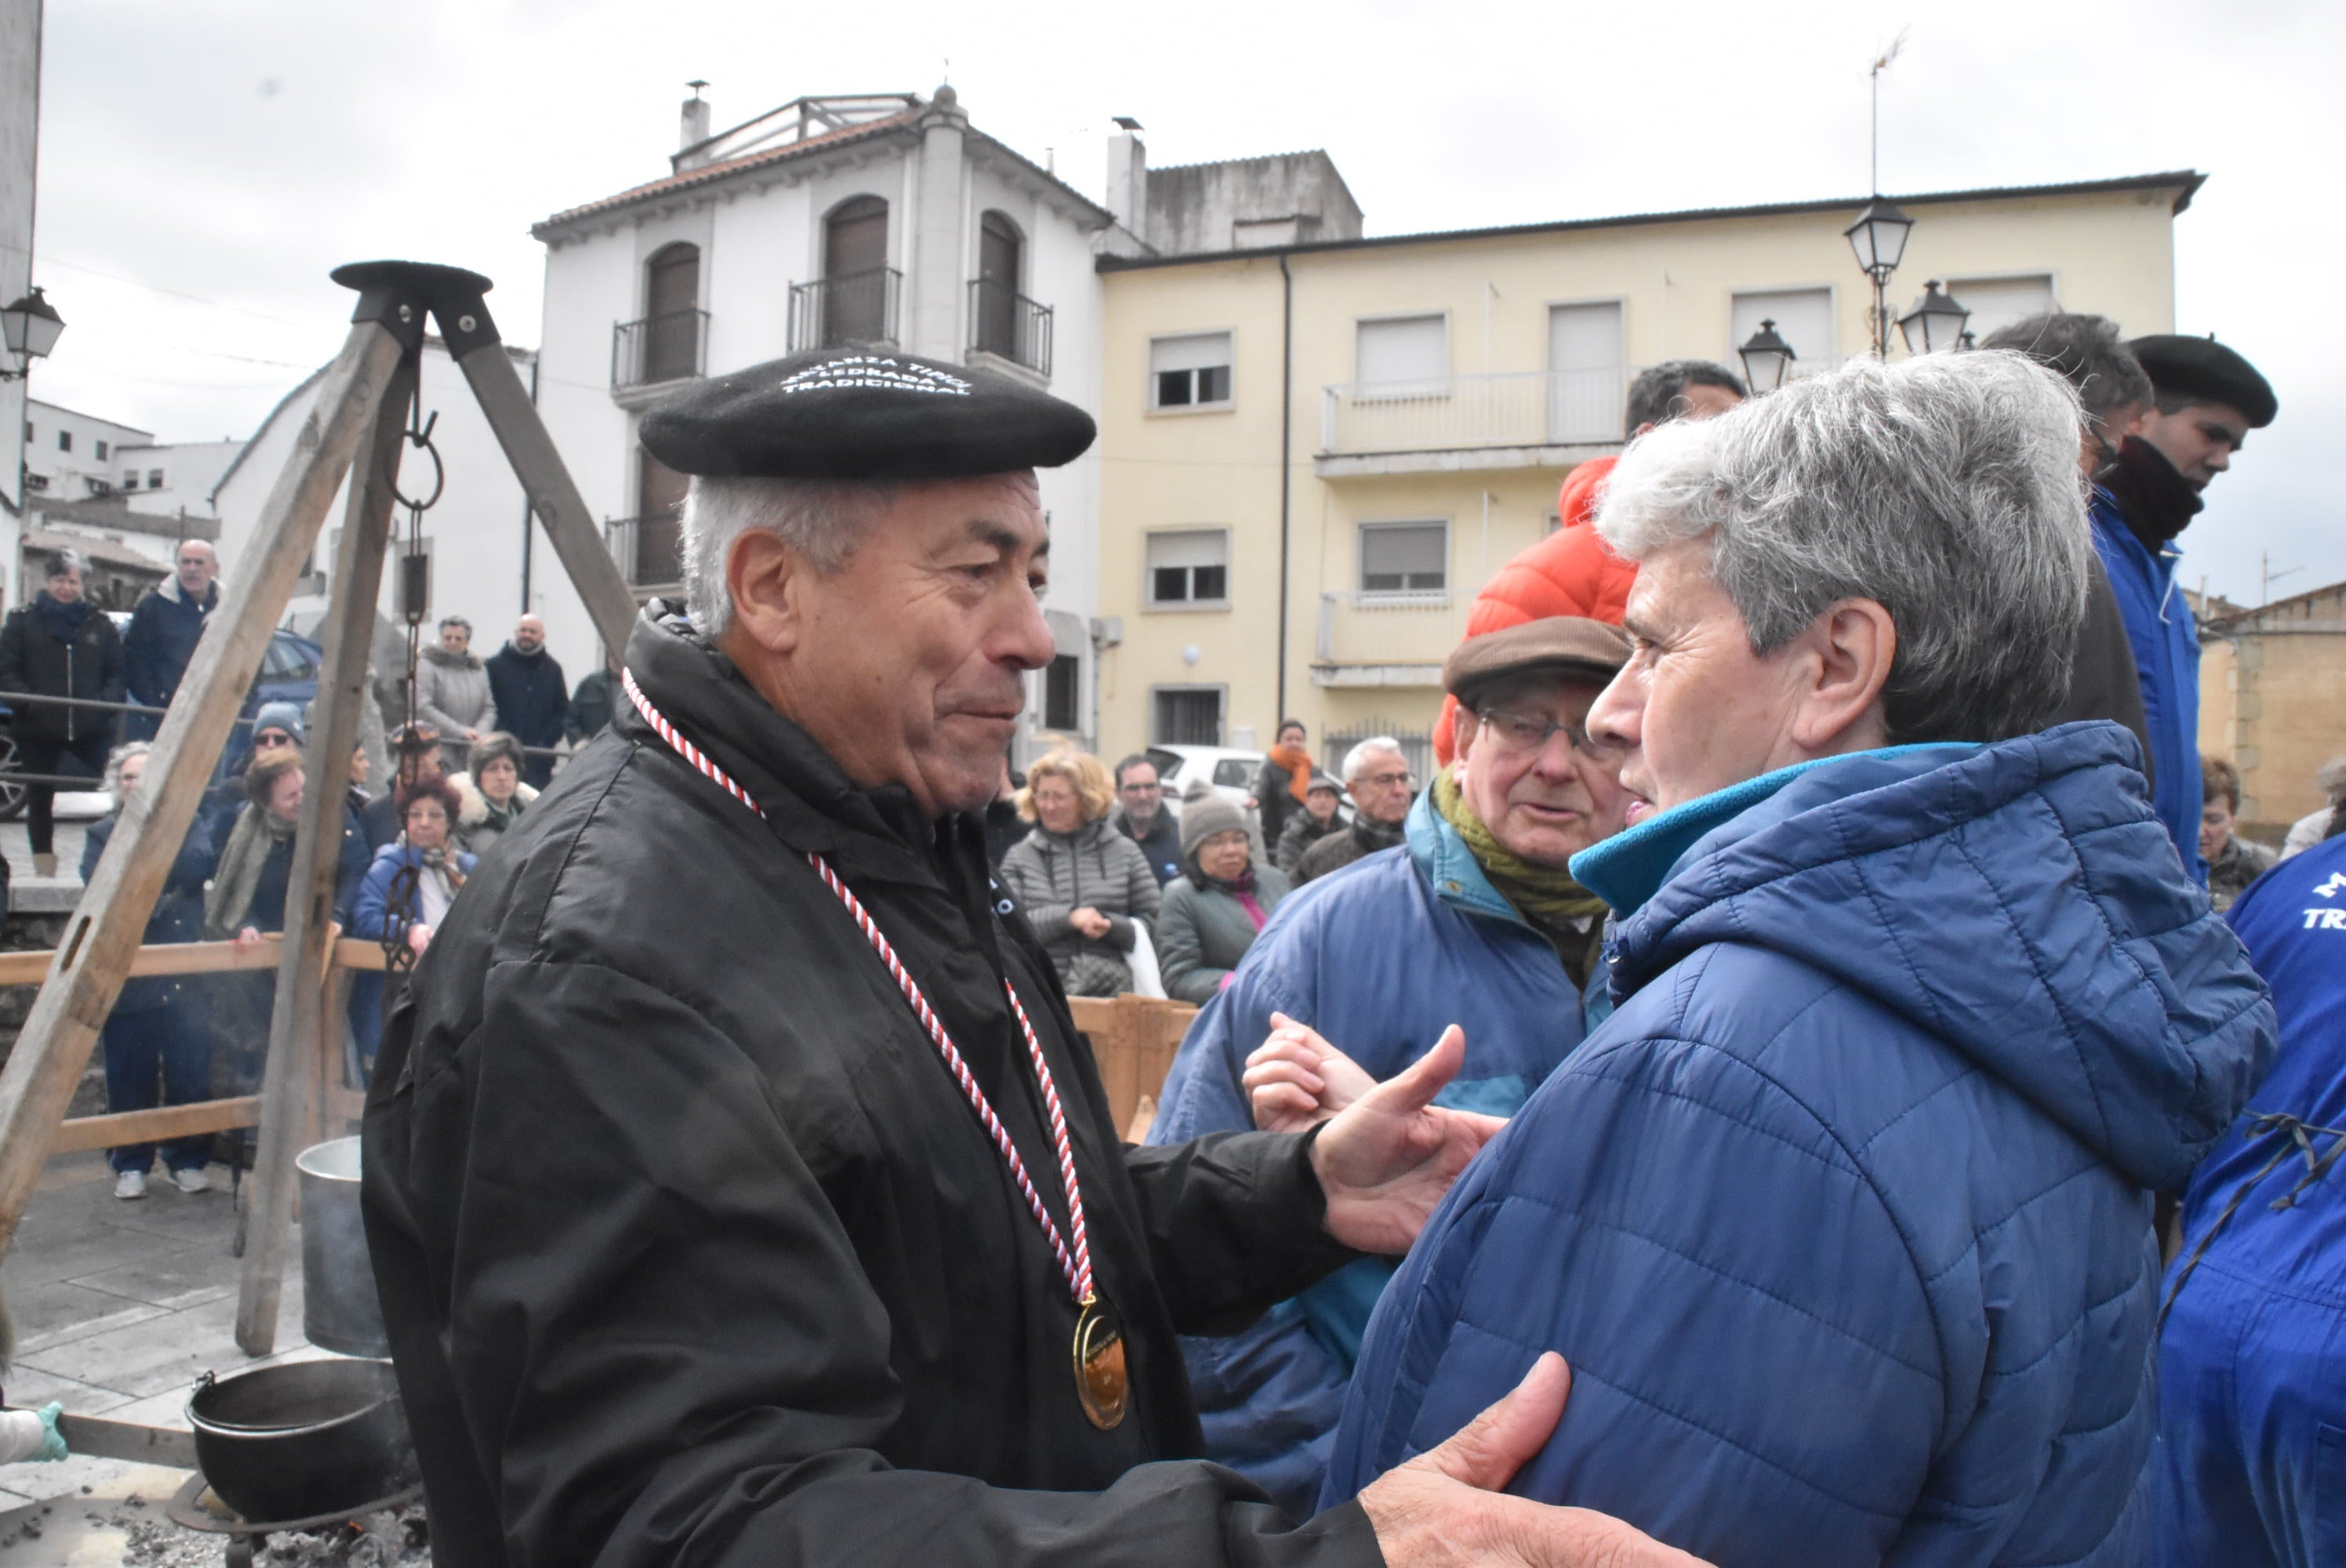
1101,1384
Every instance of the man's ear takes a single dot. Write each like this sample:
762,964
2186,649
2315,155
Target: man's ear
1463,724
1852,647
764,577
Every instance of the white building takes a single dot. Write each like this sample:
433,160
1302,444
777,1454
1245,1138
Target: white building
176,477
72,456
485,564
882,220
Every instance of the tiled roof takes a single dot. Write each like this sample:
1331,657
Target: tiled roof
715,171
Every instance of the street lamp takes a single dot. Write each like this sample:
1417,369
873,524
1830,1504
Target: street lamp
1936,321
30,329
1767,359
1879,239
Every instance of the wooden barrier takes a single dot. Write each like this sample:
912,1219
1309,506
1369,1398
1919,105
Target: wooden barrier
339,1104
1133,1039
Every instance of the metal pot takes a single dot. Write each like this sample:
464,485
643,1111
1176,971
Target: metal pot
302,1439
339,1308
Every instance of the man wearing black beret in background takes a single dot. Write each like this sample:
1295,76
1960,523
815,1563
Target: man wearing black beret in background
738,1187
2206,399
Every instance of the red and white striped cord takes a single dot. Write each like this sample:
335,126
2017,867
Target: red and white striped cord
1076,1267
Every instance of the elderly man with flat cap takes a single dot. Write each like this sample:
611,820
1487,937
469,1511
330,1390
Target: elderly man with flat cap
2206,399
739,1188
1475,922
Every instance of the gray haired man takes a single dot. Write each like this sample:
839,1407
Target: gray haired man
1377,777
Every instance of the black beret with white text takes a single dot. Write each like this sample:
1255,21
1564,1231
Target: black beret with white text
863,413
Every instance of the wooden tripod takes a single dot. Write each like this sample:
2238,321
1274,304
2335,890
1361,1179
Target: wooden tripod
360,410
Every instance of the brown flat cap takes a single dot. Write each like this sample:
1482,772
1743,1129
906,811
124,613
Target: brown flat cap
1554,645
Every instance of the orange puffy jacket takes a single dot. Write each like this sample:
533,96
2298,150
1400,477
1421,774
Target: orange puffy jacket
1569,573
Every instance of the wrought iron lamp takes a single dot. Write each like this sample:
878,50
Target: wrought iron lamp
30,329
1879,239
1935,321
1767,359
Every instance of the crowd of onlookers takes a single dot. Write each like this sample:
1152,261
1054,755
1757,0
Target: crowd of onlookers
425,797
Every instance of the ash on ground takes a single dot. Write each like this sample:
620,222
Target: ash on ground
388,1539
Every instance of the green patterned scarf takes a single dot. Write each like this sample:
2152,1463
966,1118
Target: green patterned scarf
1569,915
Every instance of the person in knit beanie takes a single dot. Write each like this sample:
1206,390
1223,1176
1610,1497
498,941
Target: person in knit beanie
1218,905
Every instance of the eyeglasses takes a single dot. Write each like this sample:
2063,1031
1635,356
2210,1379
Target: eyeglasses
1528,734
1384,781
1144,789
272,738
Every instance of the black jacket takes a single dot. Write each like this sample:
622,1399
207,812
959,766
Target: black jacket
690,1248
590,706
86,663
1338,849
1161,844
530,695
2104,682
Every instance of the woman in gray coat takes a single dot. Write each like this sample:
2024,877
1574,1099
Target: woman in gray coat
1215,908
1080,884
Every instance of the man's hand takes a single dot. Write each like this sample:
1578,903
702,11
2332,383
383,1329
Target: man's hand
1295,1080
1443,1509
1386,1160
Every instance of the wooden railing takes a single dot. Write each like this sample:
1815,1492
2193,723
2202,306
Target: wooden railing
348,955
1133,1039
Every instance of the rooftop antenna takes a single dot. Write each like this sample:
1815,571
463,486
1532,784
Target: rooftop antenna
947,77
2264,561
1873,77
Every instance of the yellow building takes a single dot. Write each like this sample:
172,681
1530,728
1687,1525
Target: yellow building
2272,700
1313,455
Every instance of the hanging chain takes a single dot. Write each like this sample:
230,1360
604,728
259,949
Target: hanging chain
406,899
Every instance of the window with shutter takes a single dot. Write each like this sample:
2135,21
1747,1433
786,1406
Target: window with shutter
1404,557
1401,356
1189,566
1192,371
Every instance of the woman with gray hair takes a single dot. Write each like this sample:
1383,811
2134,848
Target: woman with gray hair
1844,1219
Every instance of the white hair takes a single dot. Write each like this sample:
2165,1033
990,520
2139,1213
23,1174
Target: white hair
1945,488
116,758
1357,760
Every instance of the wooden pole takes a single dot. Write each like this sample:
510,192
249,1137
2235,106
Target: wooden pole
295,1078
554,497
84,982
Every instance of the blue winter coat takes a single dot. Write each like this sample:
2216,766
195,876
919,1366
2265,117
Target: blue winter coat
179,909
2252,1362
164,631
1843,1217
1379,957
371,918
2165,641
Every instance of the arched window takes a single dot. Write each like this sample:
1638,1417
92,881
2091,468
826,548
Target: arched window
856,294
672,313
995,315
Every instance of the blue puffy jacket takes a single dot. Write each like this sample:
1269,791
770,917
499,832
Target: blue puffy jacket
371,916
2252,1363
2165,641
1842,1219
1379,957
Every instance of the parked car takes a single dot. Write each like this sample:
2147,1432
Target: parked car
288,673
1231,771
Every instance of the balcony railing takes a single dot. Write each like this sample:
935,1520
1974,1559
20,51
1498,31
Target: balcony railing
1394,630
1004,323
666,348
852,308
1529,408
649,551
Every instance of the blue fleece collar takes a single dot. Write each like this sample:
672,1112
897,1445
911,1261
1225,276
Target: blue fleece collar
1630,867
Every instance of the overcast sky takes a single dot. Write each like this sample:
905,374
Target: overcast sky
204,163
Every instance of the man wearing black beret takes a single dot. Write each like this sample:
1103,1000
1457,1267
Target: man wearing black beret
738,1187
2207,398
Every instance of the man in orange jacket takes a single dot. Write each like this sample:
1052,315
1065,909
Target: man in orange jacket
1570,572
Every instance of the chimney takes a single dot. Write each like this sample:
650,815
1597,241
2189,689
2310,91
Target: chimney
693,127
1128,175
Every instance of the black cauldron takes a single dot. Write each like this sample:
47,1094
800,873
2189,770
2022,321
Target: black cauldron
302,1439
